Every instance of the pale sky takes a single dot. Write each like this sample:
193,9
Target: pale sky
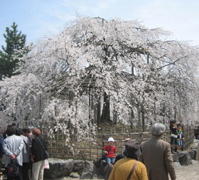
39,19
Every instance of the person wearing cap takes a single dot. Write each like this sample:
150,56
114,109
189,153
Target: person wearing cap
126,140
110,151
129,168
156,155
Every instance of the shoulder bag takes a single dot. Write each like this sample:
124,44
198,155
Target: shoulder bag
132,170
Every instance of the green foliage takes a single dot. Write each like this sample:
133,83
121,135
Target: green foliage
13,51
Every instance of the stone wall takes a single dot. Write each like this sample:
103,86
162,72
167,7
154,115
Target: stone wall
91,150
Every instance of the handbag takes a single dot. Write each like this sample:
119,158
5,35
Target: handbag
132,170
28,150
13,168
46,164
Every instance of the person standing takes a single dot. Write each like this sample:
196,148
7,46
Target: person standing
1,154
26,154
13,146
39,154
180,138
173,136
156,155
129,168
1,146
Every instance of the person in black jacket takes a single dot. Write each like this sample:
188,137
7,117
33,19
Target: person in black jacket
173,136
39,154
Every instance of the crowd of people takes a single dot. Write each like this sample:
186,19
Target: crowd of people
23,153
152,160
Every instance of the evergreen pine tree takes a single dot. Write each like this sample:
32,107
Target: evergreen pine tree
13,50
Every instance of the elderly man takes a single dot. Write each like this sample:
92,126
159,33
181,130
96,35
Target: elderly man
156,155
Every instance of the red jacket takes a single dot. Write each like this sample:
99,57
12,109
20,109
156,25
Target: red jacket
111,151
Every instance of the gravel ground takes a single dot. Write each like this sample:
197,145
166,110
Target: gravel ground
190,172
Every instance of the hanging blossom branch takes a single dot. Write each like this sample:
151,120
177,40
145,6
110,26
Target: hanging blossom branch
96,55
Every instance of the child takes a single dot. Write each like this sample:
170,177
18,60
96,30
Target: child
180,138
110,151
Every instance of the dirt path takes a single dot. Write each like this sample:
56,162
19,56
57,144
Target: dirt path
190,172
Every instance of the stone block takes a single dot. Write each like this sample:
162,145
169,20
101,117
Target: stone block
184,158
59,168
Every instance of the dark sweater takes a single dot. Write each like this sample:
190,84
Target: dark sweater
39,149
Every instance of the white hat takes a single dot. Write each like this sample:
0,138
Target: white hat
111,139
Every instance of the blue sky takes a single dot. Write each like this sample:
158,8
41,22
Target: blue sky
40,19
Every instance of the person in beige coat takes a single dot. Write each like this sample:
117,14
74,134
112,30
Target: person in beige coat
156,155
